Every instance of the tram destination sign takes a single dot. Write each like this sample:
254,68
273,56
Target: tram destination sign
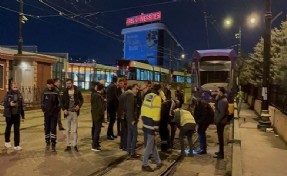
143,18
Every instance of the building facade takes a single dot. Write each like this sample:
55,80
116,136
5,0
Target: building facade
29,70
154,44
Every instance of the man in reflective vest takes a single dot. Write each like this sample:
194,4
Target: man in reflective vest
150,113
186,124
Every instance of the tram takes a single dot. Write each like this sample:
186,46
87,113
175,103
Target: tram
139,72
212,69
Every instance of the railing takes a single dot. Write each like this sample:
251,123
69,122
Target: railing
31,95
277,97
279,100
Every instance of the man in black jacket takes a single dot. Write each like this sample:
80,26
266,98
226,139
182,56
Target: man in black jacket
203,115
167,92
120,90
72,102
179,95
57,84
50,103
112,106
13,109
97,111
220,119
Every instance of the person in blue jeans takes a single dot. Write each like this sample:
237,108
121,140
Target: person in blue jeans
131,118
203,115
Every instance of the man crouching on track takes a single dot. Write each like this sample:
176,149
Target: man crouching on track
150,113
186,124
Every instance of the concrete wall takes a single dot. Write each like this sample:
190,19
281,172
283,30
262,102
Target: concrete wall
279,122
277,118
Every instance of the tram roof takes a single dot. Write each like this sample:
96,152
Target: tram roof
198,54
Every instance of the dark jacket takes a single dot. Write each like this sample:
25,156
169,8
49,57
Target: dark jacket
60,92
221,110
167,93
97,107
130,107
112,98
179,96
121,108
13,96
79,100
203,113
50,101
165,116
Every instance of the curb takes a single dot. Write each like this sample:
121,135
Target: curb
236,146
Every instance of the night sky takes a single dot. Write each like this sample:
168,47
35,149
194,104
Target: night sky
83,33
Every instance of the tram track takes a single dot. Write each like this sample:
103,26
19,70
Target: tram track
105,171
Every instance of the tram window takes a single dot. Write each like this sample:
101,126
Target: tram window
122,72
138,74
150,76
81,85
132,73
157,76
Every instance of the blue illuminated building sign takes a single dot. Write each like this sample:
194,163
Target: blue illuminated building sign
152,43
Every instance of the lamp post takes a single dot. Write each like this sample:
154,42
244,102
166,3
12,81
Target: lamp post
264,121
238,36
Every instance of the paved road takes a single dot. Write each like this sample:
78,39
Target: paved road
33,160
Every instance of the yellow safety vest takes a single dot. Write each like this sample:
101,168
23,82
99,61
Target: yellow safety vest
185,117
150,111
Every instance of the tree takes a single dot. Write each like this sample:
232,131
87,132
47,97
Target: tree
252,71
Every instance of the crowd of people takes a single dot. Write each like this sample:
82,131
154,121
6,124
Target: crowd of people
125,105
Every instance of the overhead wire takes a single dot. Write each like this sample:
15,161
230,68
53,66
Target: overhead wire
77,21
86,25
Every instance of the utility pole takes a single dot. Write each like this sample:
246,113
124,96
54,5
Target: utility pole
21,15
238,36
264,122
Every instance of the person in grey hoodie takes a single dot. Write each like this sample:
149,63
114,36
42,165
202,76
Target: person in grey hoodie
220,119
131,117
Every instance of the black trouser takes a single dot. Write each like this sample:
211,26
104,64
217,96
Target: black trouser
13,120
164,135
50,126
93,130
119,125
60,125
186,130
96,135
172,135
110,131
124,134
220,135
202,136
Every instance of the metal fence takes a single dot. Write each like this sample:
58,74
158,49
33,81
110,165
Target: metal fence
277,96
31,95
279,100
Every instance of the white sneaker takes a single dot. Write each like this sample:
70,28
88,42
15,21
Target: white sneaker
96,149
18,148
7,144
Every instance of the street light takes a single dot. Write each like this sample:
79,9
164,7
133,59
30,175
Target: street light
252,21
